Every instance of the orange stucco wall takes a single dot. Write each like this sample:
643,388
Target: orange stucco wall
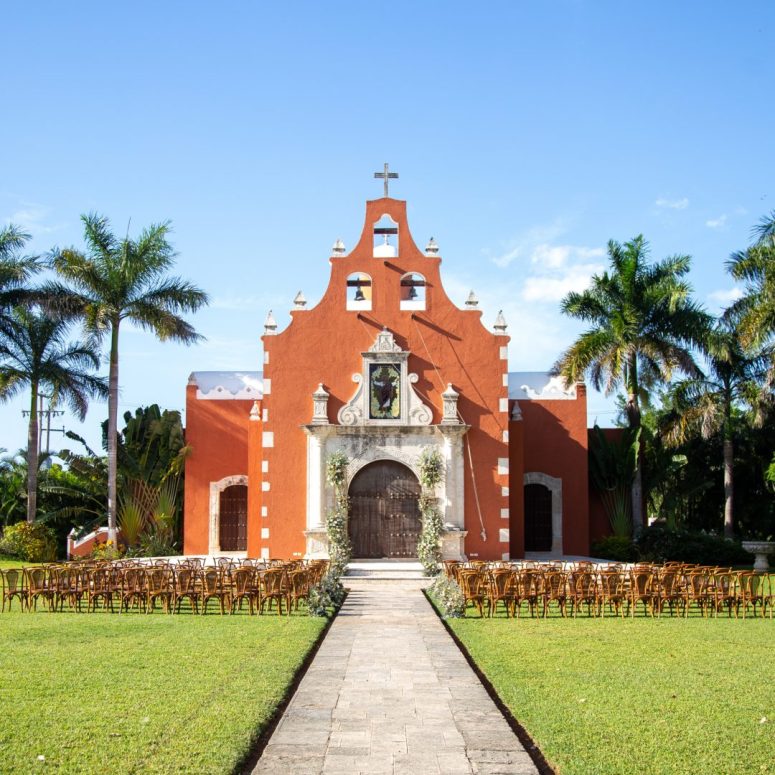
218,434
324,345
555,443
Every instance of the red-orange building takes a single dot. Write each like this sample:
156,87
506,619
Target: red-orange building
384,367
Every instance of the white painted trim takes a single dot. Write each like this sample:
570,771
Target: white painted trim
267,439
554,485
503,535
503,466
216,488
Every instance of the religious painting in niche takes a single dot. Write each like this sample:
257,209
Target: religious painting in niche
384,391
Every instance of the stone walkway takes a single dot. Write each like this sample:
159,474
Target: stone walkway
390,692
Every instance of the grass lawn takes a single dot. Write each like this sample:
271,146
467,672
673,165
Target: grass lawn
110,693
637,696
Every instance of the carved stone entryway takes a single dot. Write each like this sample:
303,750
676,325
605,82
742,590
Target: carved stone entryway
384,512
387,422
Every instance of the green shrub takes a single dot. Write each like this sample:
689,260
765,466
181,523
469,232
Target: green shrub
657,544
27,542
619,548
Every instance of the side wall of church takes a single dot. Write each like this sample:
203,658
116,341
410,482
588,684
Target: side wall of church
556,444
324,344
217,432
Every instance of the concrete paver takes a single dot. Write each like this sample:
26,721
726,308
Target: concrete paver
390,692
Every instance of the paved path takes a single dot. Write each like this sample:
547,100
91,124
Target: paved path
390,692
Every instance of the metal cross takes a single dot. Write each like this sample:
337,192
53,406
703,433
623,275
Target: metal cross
386,175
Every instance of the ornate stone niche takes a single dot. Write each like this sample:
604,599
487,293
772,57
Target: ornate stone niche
385,393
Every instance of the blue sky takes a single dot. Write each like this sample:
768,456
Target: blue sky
526,135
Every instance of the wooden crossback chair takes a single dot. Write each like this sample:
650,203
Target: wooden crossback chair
12,587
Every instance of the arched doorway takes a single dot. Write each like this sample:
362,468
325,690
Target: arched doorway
384,511
538,518
233,527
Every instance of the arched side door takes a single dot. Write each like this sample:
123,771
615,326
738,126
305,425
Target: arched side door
538,518
384,511
234,518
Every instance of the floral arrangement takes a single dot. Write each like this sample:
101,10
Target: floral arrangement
339,547
449,597
428,545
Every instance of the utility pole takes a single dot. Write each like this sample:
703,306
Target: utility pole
49,413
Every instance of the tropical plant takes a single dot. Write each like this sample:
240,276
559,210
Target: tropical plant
151,447
13,488
642,324
754,312
706,404
117,280
79,495
612,465
15,271
36,354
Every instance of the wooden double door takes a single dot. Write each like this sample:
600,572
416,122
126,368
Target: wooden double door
384,511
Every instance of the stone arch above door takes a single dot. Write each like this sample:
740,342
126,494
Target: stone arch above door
216,488
554,485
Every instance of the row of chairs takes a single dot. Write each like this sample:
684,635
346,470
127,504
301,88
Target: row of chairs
143,586
616,589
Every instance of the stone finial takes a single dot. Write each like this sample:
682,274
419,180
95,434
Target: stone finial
255,412
431,249
516,412
500,324
320,406
338,248
299,302
270,324
472,302
449,414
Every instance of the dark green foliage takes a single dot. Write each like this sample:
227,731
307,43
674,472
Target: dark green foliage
618,548
29,542
612,467
658,544
152,446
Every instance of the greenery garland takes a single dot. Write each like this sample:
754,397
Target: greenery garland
339,547
429,543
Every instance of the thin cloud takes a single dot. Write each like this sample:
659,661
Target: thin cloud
31,217
717,223
725,296
525,243
672,204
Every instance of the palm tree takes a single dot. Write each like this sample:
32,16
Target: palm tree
15,270
35,354
124,279
755,266
707,403
642,322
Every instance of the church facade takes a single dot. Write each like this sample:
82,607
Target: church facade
382,369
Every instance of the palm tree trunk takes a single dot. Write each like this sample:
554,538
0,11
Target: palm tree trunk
112,433
32,456
729,518
633,416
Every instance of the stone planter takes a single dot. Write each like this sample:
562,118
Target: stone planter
761,549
